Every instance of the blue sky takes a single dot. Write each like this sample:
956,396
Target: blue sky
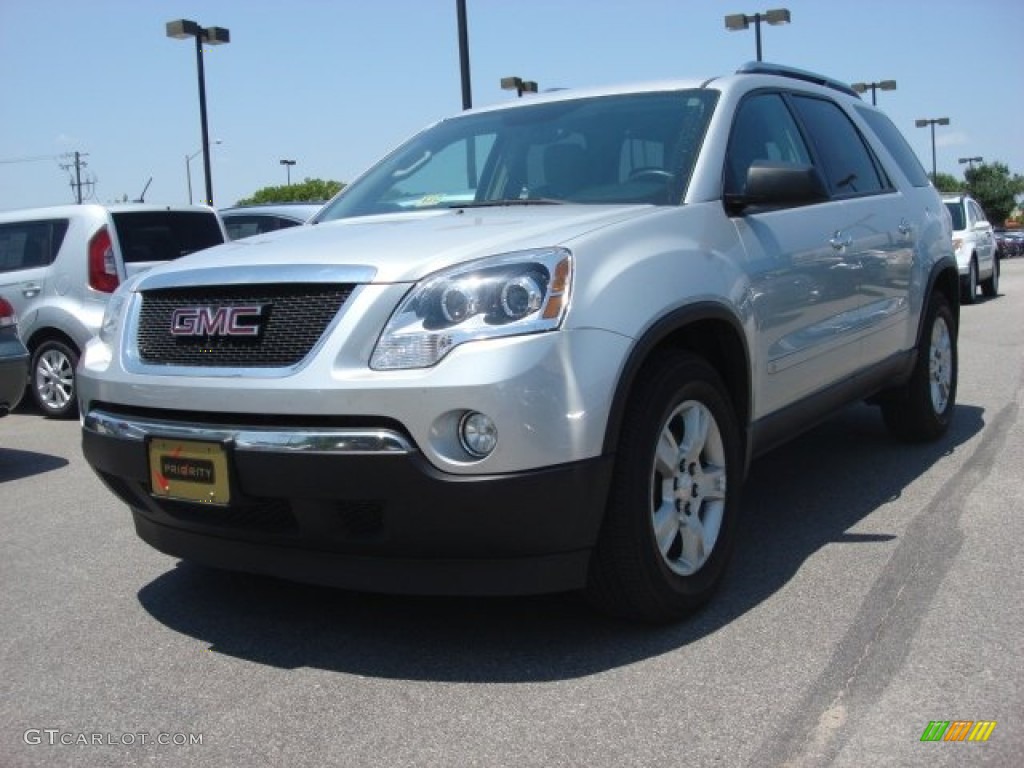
334,84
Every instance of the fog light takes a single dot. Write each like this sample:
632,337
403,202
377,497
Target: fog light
478,434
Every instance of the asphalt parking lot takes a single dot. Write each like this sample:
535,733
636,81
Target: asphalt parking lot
876,589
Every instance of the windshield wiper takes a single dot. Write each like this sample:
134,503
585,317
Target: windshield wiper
507,201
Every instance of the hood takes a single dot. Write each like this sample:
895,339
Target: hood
401,247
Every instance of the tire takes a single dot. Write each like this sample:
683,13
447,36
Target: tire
990,287
670,525
969,286
923,409
52,380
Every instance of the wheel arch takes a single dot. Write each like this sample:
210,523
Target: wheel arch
707,329
944,279
50,334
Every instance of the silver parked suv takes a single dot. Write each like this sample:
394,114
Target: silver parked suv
59,265
536,347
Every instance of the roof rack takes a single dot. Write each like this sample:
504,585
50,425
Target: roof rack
764,68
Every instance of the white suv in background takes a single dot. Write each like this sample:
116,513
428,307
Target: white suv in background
536,347
59,266
974,241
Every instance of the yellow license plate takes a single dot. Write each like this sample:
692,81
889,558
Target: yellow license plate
188,470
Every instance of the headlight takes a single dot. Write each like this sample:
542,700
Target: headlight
508,295
116,306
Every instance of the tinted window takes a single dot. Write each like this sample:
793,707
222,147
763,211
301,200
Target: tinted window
897,145
255,224
165,235
764,129
847,164
956,212
28,244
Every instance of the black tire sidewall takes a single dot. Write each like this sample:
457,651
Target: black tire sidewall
677,378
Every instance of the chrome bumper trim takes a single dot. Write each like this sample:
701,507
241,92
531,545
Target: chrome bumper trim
331,440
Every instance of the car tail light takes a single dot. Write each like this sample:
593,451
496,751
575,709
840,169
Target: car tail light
102,268
7,316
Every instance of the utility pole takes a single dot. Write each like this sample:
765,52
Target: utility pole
77,182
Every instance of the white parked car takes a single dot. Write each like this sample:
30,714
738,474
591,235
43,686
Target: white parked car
974,242
59,266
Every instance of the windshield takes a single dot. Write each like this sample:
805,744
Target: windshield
956,212
636,148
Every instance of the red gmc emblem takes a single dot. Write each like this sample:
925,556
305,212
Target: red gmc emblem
217,321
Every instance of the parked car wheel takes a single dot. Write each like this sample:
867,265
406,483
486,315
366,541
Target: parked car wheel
671,518
990,287
924,409
969,285
53,379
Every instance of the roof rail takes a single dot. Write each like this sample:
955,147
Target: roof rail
764,68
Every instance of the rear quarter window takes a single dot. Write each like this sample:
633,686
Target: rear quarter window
165,235
28,244
897,146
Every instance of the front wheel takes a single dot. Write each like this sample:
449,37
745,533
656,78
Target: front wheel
923,410
671,519
53,379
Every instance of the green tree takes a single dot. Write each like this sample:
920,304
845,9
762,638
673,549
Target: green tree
309,190
948,185
995,190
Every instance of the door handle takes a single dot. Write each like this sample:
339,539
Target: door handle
840,241
30,290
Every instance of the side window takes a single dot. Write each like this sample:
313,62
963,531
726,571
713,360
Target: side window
847,164
28,244
977,213
763,129
897,145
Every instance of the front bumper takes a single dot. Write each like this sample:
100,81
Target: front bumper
358,507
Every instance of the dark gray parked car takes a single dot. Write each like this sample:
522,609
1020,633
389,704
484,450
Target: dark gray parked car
13,359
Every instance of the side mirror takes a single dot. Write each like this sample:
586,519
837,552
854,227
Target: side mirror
773,184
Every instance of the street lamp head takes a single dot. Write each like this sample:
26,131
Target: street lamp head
216,35
859,87
182,29
511,83
921,123
942,121
529,86
737,21
777,16
287,162
887,85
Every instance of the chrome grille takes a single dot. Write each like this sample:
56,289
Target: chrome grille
295,316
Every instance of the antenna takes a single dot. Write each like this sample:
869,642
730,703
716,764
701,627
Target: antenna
142,194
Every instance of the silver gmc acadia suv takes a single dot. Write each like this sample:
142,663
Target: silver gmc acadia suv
536,347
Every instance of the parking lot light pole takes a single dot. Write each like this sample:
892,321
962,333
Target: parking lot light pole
883,85
971,161
288,169
181,30
188,169
932,121
738,21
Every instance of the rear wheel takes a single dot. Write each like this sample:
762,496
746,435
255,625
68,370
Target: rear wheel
53,379
990,287
969,285
923,409
671,519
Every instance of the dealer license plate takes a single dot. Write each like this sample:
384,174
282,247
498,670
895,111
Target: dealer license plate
189,470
